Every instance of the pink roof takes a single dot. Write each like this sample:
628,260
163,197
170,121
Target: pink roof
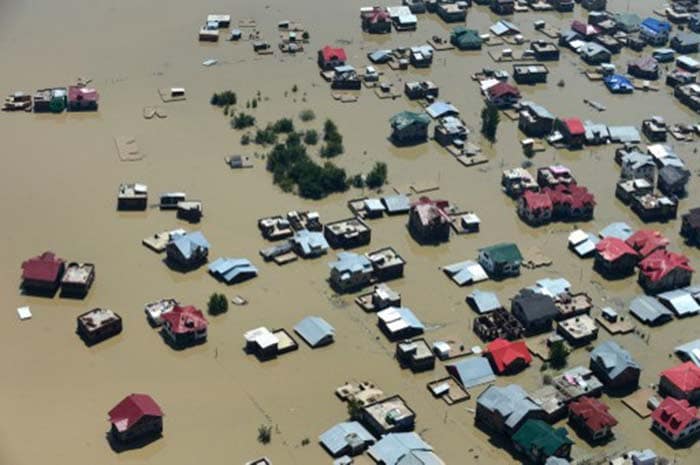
504,353
674,415
131,409
45,267
595,414
331,53
431,210
574,126
502,89
537,201
646,241
613,248
184,320
685,376
662,262
378,14
583,28
86,94
574,195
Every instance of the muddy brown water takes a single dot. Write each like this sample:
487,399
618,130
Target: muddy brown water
59,183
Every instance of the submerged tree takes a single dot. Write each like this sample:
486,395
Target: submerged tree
377,176
489,121
558,355
218,304
264,434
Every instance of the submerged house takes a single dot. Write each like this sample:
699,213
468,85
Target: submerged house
647,241
408,128
572,131
232,270
615,258
309,244
681,382
81,98
98,324
503,7
595,54
535,311
136,416
503,95
618,84
350,272
376,21
591,418
535,208
645,67
673,180
501,260
349,438
188,250
390,415
544,50
466,39
654,31
502,410
42,274
428,221
614,367
398,448
538,441
399,323
184,326
315,331
508,357
664,271
676,421
535,120
690,226
685,42
650,311
330,58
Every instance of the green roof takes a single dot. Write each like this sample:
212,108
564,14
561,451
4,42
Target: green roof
405,119
465,38
536,434
504,252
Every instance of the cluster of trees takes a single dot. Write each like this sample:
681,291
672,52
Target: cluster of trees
292,167
242,121
375,179
333,140
223,99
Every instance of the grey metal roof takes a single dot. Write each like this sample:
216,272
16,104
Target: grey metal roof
624,134
553,460
472,371
310,242
188,243
342,436
620,230
614,358
315,331
537,110
553,287
397,203
465,272
689,351
403,449
440,109
349,262
649,310
511,402
586,247
232,269
680,301
484,302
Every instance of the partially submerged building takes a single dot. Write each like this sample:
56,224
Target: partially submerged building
399,323
188,250
503,410
416,355
390,415
538,441
232,270
690,226
315,331
42,274
615,258
499,323
664,271
535,311
428,220
676,421
350,272
348,438
466,39
98,324
77,279
508,357
184,326
135,417
681,382
408,128
132,196
309,244
501,260
348,233
650,311
615,367
592,419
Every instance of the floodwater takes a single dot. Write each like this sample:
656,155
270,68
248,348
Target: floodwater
59,180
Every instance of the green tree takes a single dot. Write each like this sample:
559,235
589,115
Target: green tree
242,121
377,176
307,115
357,181
311,137
283,125
265,136
558,355
223,99
264,434
489,121
218,304
354,408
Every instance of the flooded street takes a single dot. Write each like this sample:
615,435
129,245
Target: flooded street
59,183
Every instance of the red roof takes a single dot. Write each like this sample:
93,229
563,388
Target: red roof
46,267
583,28
574,126
536,201
613,248
505,353
378,14
674,415
660,263
431,210
81,93
184,320
646,241
502,89
130,410
594,413
331,53
574,195
685,376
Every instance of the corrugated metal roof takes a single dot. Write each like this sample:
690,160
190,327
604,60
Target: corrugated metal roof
681,302
397,203
341,436
690,351
466,272
484,302
511,402
472,371
649,310
315,331
403,448
553,287
620,230
232,269
614,358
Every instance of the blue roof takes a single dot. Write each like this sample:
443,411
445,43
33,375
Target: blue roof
617,83
613,358
397,203
439,109
232,269
403,449
188,243
310,242
656,25
553,287
465,272
350,263
620,230
410,318
484,302
343,435
472,371
374,205
315,331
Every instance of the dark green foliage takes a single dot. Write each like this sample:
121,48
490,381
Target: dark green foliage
333,140
354,408
291,166
377,177
266,136
558,355
293,138
254,103
218,304
283,125
264,434
307,115
222,99
489,121
242,121
245,139
311,137
357,181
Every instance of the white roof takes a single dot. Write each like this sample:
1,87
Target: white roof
24,313
577,237
262,337
486,84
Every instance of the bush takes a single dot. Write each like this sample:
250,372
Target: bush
222,99
305,35
245,139
377,177
331,149
264,434
357,181
218,304
265,136
489,121
354,408
558,355
333,140
242,121
311,137
307,115
254,103
283,125
295,89
293,138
